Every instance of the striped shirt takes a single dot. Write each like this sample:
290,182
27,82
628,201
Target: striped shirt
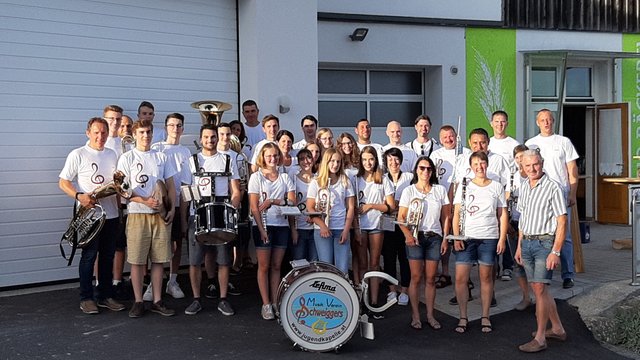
540,206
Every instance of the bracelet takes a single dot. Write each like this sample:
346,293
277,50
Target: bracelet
78,194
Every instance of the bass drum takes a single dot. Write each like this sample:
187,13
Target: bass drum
318,307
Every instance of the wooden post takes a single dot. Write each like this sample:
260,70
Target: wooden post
577,240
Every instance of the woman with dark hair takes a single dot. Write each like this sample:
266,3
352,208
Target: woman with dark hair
237,129
393,247
424,206
284,138
481,215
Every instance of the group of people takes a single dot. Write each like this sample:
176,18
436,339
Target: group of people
410,204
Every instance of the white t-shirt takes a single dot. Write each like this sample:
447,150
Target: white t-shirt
480,219
267,189
92,169
497,169
179,155
504,147
376,146
143,169
409,157
557,151
214,163
300,144
337,201
115,144
403,181
372,193
257,148
254,134
423,149
445,162
433,202
302,188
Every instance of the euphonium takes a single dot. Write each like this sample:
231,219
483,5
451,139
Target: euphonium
414,216
87,222
241,161
324,204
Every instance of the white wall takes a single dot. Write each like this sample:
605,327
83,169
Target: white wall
490,10
433,48
279,57
60,63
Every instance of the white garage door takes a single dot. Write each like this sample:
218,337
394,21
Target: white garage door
61,62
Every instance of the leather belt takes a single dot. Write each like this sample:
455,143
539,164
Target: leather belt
545,237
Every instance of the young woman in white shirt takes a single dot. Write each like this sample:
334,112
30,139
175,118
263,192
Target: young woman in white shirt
304,246
348,148
427,199
394,251
333,188
485,224
268,187
374,197
284,138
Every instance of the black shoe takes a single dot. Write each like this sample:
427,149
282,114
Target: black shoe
454,300
120,292
211,292
232,290
494,303
567,284
234,272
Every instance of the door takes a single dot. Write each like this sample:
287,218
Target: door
612,161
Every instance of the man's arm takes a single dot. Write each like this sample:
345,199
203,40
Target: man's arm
85,200
572,168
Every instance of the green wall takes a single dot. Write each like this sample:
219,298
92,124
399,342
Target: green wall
631,94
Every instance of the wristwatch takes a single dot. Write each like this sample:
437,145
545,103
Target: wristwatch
556,253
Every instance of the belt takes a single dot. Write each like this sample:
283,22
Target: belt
428,233
545,237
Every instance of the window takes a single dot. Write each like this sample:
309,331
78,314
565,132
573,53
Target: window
380,96
544,82
578,82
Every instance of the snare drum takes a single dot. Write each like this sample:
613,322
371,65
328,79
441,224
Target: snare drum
216,223
318,307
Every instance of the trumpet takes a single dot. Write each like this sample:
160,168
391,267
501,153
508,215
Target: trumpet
87,222
414,216
324,204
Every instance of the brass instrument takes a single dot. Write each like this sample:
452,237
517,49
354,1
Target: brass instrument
88,221
414,217
241,161
324,204
211,110
127,143
463,211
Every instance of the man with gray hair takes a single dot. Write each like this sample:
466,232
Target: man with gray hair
542,228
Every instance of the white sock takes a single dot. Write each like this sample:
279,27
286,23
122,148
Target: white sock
116,282
173,277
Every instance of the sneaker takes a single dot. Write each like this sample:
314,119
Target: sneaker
174,290
567,284
159,308
232,290
137,310
148,294
89,307
267,312
506,275
377,315
235,272
120,292
225,308
211,292
403,299
194,308
392,295
110,304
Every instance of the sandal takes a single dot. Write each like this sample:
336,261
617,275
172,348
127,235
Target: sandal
443,281
485,328
461,329
416,324
434,324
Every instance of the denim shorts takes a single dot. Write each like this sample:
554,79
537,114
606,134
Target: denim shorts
428,248
371,232
480,251
278,237
534,259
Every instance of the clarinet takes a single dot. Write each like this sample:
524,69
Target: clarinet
463,211
357,217
511,201
263,214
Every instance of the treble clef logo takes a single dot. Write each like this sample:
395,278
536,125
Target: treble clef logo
301,205
95,177
360,198
264,196
472,208
141,178
303,311
441,170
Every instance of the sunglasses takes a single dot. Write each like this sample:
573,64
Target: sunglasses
424,168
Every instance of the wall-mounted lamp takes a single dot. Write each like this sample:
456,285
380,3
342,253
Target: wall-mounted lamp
359,34
284,104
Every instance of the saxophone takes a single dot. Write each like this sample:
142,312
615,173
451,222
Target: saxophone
88,221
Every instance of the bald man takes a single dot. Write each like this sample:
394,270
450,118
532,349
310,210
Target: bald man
394,132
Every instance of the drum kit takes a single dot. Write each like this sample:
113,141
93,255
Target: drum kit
318,307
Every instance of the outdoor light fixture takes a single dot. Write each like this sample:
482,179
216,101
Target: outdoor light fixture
359,34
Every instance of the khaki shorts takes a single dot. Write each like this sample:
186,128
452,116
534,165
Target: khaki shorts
148,237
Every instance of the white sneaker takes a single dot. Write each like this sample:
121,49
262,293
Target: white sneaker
148,294
174,290
392,295
403,299
267,312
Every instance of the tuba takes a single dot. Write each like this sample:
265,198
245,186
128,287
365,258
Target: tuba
414,216
211,110
87,222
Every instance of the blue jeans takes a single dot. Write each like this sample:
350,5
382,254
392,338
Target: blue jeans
331,251
566,253
534,259
306,247
102,247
